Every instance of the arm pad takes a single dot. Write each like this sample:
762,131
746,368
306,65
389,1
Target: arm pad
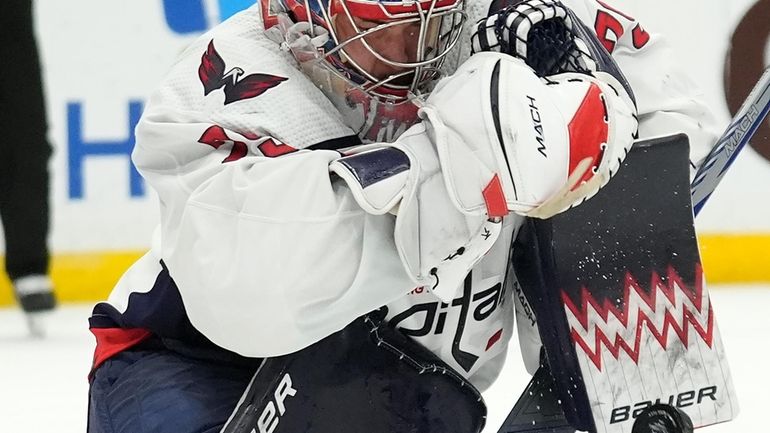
437,243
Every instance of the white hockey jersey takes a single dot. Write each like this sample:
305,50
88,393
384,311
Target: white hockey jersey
262,252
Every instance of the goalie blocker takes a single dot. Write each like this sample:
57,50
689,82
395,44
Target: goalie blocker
615,291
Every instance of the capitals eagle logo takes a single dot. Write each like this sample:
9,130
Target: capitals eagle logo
236,87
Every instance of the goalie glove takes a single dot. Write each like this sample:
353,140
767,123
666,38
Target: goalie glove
511,141
549,37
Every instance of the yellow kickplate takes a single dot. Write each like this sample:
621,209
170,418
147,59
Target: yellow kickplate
81,277
89,277
738,258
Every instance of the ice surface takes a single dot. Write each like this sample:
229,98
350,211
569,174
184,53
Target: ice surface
43,383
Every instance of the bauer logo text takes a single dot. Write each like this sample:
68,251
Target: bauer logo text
275,409
683,399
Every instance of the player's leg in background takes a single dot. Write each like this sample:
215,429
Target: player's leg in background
161,391
24,185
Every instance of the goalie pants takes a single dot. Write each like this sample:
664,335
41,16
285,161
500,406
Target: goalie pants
160,391
24,148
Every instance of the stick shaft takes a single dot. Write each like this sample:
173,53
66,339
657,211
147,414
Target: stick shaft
743,126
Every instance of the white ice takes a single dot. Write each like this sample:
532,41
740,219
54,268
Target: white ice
43,384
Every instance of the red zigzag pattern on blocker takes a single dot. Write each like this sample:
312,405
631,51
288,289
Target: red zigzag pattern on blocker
639,311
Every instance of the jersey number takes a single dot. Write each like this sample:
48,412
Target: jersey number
215,136
609,29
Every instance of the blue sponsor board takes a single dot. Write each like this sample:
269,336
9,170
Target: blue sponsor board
189,16
79,149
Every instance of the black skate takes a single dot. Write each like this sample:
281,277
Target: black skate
36,298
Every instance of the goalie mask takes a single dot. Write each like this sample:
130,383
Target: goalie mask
372,58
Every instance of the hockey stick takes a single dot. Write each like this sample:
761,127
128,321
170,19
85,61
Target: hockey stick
743,126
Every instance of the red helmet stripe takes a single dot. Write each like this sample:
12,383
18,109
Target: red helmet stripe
385,10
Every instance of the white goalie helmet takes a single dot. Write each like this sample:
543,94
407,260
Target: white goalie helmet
372,58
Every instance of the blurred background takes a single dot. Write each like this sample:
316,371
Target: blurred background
100,60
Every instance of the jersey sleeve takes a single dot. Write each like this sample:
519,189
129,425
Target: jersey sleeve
668,101
269,252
